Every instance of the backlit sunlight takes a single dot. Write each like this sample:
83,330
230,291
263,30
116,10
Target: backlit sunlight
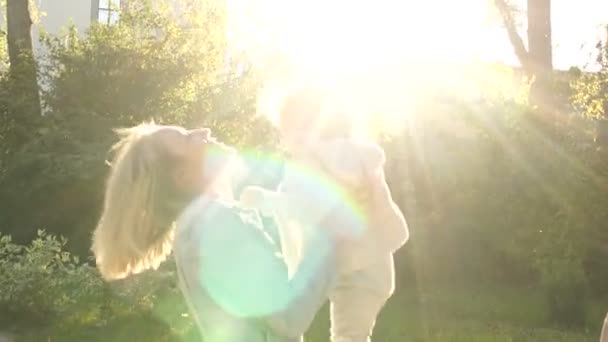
383,49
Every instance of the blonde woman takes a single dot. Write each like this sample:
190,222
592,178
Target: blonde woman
326,147
230,272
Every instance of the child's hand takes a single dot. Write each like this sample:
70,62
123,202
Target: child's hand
252,197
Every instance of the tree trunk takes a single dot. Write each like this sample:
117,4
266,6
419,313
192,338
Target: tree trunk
540,51
537,59
539,35
20,52
19,24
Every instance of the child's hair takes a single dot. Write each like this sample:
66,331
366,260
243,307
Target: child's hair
336,125
135,231
303,100
306,106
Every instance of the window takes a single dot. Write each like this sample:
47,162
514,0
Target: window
108,11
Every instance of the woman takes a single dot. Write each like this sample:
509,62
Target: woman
231,273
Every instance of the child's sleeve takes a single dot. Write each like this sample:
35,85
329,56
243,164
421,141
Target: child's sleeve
351,162
303,199
265,201
386,208
362,164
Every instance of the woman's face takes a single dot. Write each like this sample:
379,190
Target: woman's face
200,156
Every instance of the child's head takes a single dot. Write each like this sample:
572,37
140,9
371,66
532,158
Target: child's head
336,124
299,117
156,172
303,118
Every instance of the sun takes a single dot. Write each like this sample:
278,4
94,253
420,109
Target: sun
373,51
338,33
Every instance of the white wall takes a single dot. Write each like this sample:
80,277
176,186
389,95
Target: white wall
54,18
55,15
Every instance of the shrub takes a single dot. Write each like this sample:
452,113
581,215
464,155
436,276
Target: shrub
42,281
498,196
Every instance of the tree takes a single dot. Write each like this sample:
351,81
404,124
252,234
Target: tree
540,50
20,52
19,25
539,35
537,58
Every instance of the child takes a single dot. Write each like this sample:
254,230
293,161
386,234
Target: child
365,271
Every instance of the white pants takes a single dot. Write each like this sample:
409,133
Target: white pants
357,298
604,336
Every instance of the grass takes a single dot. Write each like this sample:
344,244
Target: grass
465,315
444,312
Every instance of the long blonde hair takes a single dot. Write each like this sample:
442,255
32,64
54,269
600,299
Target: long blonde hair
136,228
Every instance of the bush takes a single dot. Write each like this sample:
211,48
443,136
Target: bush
498,196
42,281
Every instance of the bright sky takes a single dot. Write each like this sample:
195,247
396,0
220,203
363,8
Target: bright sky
577,26
341,33
381,56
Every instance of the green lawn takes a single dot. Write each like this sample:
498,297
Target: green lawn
467,316
430,314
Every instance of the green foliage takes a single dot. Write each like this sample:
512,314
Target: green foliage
3,51
42,280
67,301
42,283
591,89
148,66
591,94
18,108
498,196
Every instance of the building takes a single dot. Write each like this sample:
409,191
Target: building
55,15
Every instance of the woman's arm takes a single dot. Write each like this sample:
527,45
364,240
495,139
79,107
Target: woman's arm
244,273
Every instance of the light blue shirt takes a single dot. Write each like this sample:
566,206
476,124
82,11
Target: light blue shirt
234,278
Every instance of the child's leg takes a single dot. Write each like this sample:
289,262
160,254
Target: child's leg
357,299
604,335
